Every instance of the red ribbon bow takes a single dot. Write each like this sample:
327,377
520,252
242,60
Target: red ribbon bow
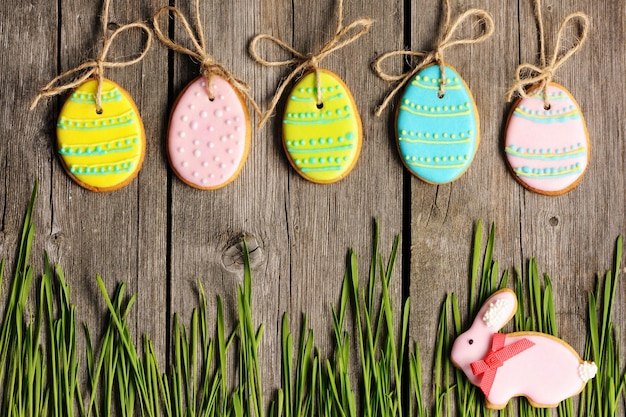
495,359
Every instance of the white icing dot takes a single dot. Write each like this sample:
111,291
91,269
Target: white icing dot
238,128
226,108
203,84
234,162
237,118
182,134
196,174
184,164
192,106
194,125
230,151
222,97
197,153
184,118
222,165
204,114
211,175
197,93
211,145
205,164
181,150
196,142
218,113
229,122
222,177
211,128
216,158
215,86
205,181
223,138
231,136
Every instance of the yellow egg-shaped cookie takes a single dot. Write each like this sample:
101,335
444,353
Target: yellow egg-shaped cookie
323,143
101,151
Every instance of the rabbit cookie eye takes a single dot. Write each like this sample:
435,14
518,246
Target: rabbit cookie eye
471,341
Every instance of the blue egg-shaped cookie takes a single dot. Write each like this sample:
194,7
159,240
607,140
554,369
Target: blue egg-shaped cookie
437,136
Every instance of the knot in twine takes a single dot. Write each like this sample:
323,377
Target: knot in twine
343,36
436,56
529,74
95,67
208,65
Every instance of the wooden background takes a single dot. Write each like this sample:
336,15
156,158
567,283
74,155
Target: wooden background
160,236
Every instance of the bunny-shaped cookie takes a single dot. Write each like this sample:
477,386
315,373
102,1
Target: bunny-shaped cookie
540,367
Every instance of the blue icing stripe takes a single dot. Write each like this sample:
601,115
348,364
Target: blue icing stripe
437,137
549,173
547,116
98,123
317,121
546,154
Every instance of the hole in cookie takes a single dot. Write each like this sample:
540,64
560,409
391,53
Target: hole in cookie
548,107
99,111
441,95
320,106
471,341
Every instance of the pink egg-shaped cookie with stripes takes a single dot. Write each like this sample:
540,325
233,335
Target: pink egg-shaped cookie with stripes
547,149
209,140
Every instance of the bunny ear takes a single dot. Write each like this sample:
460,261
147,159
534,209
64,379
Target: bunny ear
497,310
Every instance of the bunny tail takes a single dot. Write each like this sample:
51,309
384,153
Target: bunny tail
587,370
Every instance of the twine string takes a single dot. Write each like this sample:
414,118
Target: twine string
343,36
528,74
208,65
95,67
436,56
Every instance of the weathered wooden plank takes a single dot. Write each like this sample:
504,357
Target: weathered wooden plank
120,235
26,151
443,218
570,235
573,236
207,224
325,220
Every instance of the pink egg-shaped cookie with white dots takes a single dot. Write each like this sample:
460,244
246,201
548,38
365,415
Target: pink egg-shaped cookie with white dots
547,148
208,140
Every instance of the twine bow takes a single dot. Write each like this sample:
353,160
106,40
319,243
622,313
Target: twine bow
96,66
529,74
208,65
437,54
496,357
342,37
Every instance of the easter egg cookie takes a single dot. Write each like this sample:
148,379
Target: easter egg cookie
323,143
209,140
547,149
437,137
101,151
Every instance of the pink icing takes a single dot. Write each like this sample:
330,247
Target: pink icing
208,141
546,373
550,132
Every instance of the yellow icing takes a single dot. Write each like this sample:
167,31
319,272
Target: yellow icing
101,151
323,144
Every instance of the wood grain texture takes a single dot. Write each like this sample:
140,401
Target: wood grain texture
162,236
443,218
